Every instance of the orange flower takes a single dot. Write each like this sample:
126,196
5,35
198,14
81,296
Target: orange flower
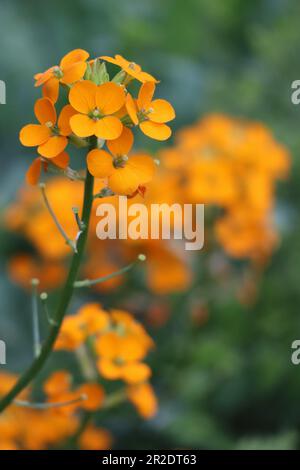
143,398
72,68
121,350
93,318
96,104
71,335
34,171
151,116
57,383
50,138
131,68
58,389
124,174
89,320
23,267
95,439
94,396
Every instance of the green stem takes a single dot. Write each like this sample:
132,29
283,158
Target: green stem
66,296
125,269
35,318
48,406
114,399
93,282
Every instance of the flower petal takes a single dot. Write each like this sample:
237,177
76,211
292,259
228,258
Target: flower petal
53,147
108,345
34,134
143,398
131,109
122,145
61,160
34,171
136,372
100,163
110,97
109,59
95,396
161,111
145,95
108,128
131,68
109,369
43,77
155,130
51,89
77,55
82,125
83,96
45,111
64,120
123,181
146,77
74,72
143,166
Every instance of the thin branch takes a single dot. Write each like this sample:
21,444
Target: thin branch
114,399
105,192
79,222
71,174
35,318
59,227
86,365
92,282
44,298
47,406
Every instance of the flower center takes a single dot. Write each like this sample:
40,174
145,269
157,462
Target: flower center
119,361
95,114
120,162
49,124
132,65
57,72
143,114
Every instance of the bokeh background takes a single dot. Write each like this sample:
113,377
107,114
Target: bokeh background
229,382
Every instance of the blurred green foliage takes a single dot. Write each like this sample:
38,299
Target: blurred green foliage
229,383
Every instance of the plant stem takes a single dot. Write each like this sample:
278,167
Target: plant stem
66,296
125,269
93,282
59,227
35,318
48,406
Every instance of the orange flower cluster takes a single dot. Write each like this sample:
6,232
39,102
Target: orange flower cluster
26,428
101,108
233,165
232,168
118,346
